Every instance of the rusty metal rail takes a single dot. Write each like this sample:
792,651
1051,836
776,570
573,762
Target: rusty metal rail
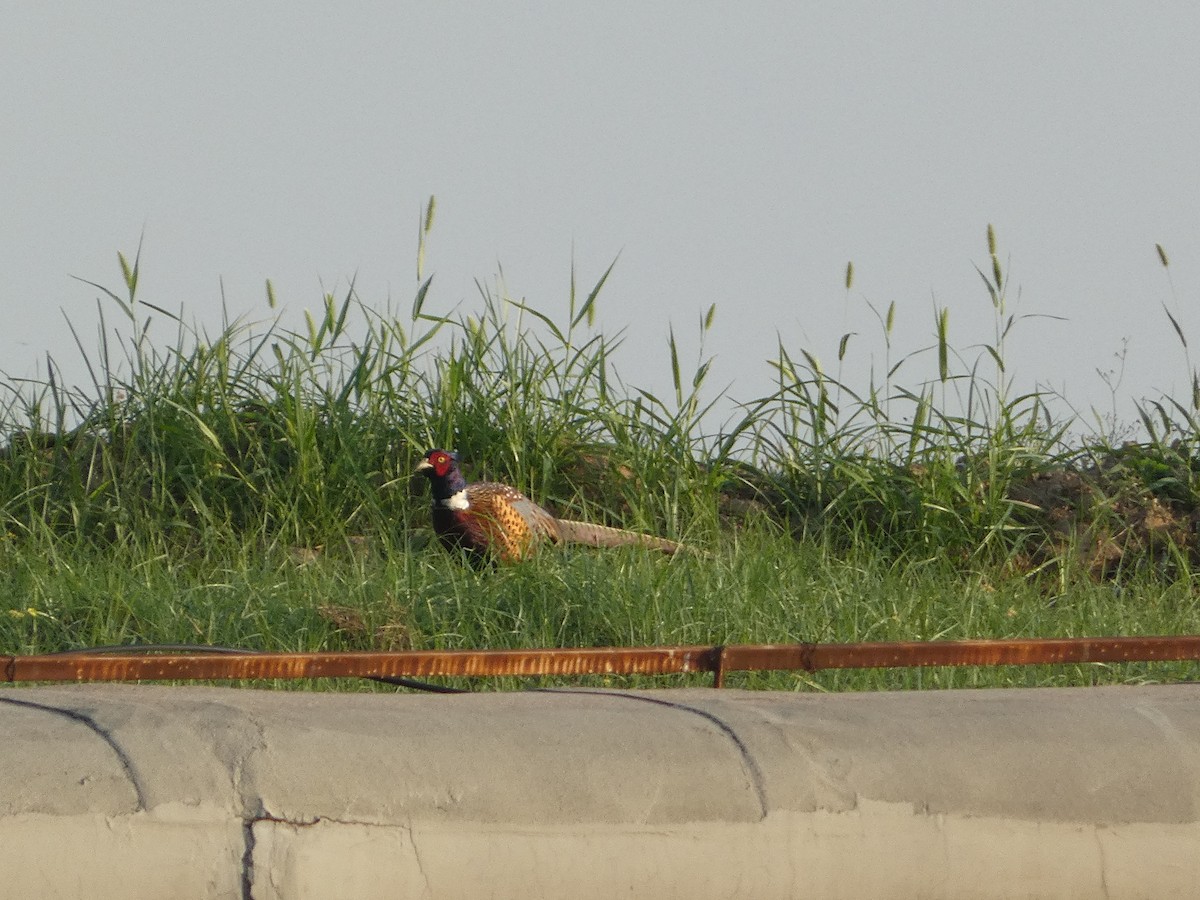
131,665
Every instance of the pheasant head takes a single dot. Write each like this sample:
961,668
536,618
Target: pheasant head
446,480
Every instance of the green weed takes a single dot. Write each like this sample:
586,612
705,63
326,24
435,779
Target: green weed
251,488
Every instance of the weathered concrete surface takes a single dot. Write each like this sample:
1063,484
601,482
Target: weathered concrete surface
136,791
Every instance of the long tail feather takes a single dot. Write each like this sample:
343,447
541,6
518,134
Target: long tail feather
603,536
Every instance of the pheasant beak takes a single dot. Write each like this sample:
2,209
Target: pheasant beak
416,484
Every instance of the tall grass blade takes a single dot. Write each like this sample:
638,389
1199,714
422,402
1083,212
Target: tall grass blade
588,310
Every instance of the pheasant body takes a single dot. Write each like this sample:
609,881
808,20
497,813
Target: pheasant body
493,520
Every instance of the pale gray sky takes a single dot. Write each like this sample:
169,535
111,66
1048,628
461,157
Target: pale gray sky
731,153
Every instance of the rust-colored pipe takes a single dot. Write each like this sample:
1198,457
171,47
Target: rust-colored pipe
131,665
191,666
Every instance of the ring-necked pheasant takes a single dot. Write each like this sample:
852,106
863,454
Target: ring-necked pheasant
495,521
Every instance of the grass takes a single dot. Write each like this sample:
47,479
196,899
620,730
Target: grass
251,489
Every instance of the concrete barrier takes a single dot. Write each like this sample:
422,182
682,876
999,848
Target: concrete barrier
157,792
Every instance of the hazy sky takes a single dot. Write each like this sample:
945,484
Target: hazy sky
737,154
